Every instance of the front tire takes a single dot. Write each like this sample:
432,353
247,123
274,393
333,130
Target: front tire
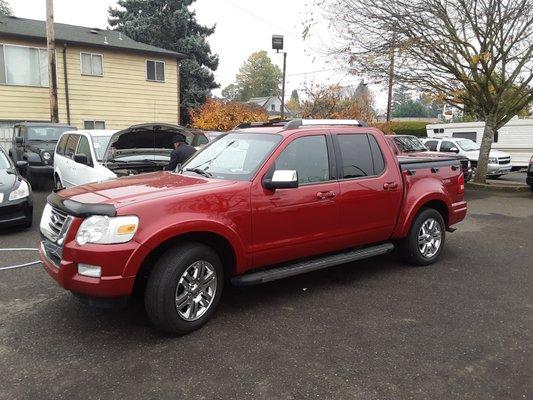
184,288
425,241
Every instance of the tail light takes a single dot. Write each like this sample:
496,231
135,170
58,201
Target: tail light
461,184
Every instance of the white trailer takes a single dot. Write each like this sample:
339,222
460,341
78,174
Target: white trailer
515,137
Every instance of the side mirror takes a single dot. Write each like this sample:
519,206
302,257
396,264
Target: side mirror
454,150
282,179
19,139
22,164
81,159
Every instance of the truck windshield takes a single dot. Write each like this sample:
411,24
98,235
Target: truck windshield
232,156
409,144
46,133
468,145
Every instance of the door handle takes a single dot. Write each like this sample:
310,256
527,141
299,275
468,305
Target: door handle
331,194
321,195
390,185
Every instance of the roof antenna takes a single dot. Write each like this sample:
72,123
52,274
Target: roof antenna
120,36
105,40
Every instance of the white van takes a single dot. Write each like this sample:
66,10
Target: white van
514,138
87,156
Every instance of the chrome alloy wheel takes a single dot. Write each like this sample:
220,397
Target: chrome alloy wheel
429,238
196,290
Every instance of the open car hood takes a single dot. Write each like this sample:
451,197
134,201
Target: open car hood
147,139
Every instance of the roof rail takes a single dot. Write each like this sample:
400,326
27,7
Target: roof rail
273,122
297,123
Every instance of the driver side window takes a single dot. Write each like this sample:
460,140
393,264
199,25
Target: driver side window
446,146
84,148
309,157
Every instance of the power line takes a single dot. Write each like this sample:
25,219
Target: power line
318,70
260,18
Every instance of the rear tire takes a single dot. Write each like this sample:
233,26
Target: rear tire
184,288
425,241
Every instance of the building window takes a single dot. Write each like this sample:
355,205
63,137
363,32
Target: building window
21,65
155,70
93,124
92,64
273,107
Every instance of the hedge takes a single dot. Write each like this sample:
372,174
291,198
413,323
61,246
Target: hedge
415,128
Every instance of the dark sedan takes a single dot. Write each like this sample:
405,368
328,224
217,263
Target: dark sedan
16,205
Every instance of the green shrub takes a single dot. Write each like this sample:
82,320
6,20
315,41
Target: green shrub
415,128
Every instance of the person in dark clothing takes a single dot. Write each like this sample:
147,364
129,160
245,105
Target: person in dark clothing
181,153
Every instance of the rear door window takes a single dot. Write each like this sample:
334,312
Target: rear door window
356,156
70,147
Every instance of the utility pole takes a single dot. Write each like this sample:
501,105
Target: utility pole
50,45
391,77
277,44
283,86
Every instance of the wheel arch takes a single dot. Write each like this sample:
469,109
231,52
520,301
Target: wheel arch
436,202
220,244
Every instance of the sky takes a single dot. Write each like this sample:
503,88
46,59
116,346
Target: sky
242,27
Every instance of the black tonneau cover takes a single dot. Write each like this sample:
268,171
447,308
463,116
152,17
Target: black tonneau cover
426,162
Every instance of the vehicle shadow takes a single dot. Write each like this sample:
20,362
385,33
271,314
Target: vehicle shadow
65,317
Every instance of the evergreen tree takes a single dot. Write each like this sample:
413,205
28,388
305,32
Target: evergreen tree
5,8
171,25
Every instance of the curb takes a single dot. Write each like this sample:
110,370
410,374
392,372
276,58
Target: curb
494,187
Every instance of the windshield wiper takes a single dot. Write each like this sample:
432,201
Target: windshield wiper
210,161
199,171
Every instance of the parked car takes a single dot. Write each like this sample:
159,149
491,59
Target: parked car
34,142
411,146
257,204
529,178
16,204
98,155
499,162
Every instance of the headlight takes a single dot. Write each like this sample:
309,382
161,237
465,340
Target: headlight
493,160
22,191
107,230
46,156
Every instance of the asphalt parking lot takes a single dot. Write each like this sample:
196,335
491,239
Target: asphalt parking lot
461,329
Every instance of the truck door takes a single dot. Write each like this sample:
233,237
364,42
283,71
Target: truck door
291,223
370,189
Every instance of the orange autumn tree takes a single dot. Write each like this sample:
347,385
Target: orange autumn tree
220,115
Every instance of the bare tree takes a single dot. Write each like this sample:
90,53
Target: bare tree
473,54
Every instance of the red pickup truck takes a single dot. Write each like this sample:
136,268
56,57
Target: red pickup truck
260,203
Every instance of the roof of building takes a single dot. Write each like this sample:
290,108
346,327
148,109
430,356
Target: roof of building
260,100
81,35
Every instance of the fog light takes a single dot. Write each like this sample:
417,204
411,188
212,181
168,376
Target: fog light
93,271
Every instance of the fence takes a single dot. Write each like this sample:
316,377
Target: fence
6,131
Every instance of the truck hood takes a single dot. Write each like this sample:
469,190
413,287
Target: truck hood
143,187
37,146
474,155
145,139
7,181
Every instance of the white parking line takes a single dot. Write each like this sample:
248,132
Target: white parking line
20,265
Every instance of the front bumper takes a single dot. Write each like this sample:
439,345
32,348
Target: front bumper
18,212
113,260
41,169
498,169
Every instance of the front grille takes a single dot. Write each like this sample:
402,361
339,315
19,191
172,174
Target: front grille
504,160
55,224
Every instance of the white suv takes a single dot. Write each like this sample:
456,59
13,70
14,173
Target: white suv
78,158
499,162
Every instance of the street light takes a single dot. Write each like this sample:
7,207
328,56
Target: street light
277,44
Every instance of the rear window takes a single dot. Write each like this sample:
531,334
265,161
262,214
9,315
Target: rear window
70,147
356,156
431,145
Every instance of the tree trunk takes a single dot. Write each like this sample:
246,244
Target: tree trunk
484,151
